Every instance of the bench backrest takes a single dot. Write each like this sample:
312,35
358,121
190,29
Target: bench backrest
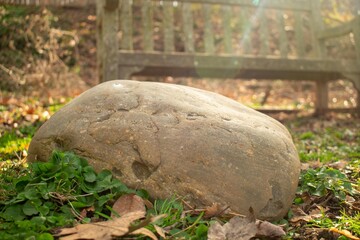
236,27
266,29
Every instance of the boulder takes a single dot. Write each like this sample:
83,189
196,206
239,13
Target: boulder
171,139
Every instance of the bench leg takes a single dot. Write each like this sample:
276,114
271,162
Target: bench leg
355,79
321,105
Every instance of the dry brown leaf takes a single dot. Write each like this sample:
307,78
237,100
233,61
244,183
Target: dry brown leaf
236,229
213,211
268,230
300,215
239,228
101,230
216,232
148,204
160,231
128,203
345,233
145,232
305,218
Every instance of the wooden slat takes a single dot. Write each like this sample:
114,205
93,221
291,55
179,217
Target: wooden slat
110,40
282,35
147,22
226,16
271,64
99,37
126,25
299,35
246,28
57,3
264,34
316,27
168,24
356,31
208,30
188,25
299,5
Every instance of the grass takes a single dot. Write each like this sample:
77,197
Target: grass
37,199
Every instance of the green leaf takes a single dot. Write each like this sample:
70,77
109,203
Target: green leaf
201,231
31,193
44,210
21,183
104,175
13,213
38,220
29,208
45,236
89,174
141,193
103,199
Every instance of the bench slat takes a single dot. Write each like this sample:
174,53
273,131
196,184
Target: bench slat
208,30
356,31
264,34
317,26
147,22
246,27
282,35
110,40
168,25
188,22
226,12
299,5
297,69
299,35
126,25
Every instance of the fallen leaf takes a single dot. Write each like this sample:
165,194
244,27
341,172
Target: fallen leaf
213,211
148,204
236,229
345,233
269,230
216,232
128,203
160,231
239,228
300,215
145,232
104,230
305,218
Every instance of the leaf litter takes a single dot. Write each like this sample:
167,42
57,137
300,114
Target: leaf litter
128,203
106,230
239,228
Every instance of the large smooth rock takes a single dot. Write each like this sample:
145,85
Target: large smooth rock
170,139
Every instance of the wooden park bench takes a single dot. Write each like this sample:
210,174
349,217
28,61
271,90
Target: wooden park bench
248,39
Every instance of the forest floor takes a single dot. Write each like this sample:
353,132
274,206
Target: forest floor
327,203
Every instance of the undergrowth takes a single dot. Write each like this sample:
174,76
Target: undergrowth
52,194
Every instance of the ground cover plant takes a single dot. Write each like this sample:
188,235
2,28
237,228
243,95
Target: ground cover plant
39,200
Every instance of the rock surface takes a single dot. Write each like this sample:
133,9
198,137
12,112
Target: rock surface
170,139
